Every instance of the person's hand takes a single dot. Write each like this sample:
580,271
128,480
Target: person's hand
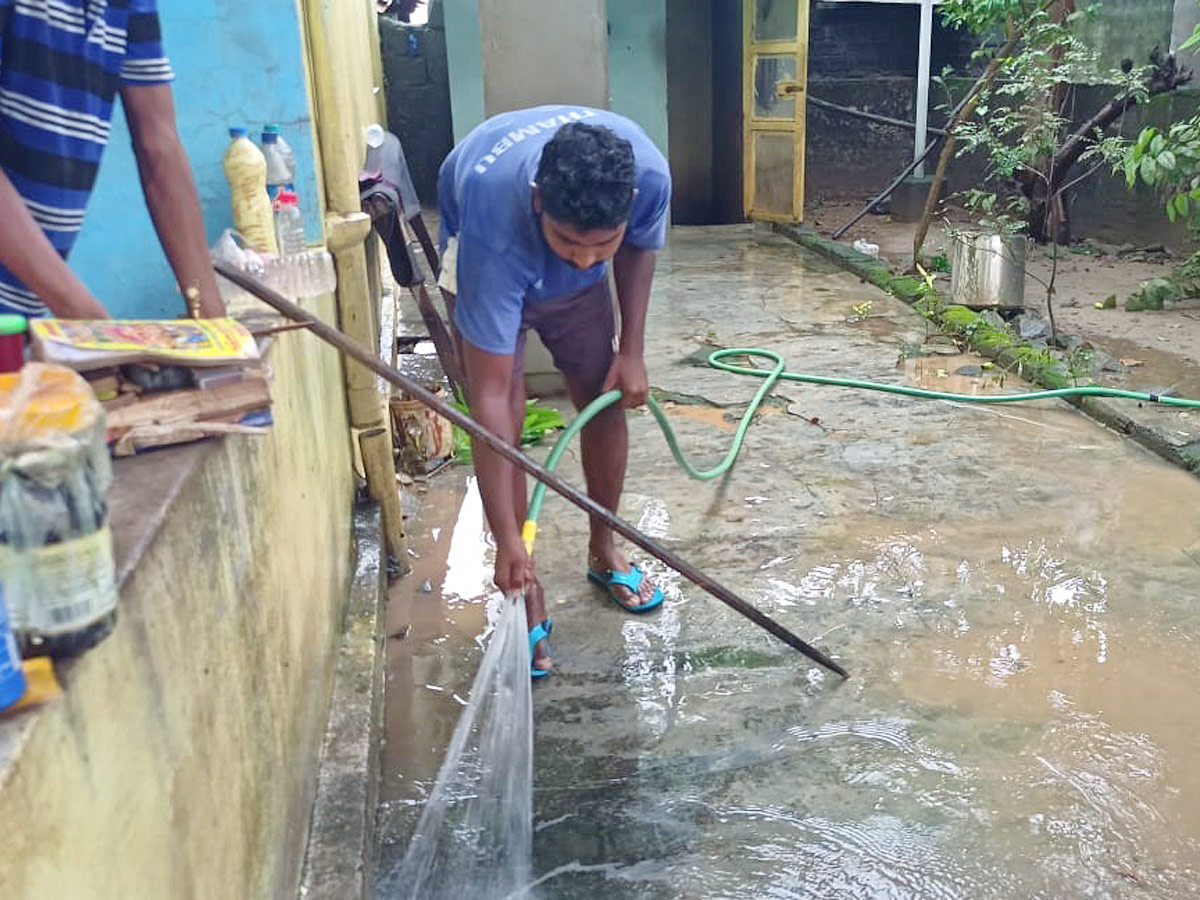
212,304
75,301
514,568
628,375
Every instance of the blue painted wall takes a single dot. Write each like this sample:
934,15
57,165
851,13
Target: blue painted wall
236,63
465,55
637,64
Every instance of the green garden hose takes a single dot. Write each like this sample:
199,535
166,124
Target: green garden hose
771,376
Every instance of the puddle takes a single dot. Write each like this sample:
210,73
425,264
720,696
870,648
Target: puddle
708,415
1159,369
1015,591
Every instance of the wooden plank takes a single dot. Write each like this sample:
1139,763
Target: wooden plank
180,407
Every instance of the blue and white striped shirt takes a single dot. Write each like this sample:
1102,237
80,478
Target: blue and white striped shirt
61,65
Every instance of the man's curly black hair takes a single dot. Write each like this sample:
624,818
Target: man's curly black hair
587,177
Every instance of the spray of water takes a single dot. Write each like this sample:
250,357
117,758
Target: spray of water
475,836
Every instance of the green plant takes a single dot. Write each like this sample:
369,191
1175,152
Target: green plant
1169,163
539,421
1021,123
1018,118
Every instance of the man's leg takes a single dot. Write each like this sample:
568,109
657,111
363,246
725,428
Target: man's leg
579,333
605,448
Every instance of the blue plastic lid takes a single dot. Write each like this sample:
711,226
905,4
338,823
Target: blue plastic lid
270,129
238,132
270,137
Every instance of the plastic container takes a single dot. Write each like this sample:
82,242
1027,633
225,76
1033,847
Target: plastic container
12,342
246,169
56,562
281,162
12,678
289,224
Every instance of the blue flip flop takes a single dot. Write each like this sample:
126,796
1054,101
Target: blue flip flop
537,634
632,580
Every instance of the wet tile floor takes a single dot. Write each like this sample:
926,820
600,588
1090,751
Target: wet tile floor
1015,592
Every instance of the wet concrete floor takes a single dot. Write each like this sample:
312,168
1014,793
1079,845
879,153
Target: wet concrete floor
1015,591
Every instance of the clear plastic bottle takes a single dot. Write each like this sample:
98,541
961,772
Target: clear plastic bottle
246,169
289,224
56,552
281,162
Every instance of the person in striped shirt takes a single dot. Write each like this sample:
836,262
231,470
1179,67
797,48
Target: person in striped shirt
62,65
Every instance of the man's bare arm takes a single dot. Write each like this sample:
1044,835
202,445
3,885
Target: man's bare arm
27,253
489,377
633,271
170,190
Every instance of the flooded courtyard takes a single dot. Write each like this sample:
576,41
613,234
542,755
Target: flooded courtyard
1015,591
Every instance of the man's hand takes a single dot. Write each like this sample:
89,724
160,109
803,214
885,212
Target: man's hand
514,568
628,375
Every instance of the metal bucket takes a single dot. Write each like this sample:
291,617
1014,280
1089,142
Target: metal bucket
988,271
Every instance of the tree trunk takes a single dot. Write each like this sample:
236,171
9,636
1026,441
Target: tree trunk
939,176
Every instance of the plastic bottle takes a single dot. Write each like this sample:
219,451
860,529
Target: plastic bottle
12,342
12,678
246,169
56,555
281,162
289,224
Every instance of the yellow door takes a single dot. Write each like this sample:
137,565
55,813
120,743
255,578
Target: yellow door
776,75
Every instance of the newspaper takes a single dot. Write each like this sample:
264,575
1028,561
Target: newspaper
84,345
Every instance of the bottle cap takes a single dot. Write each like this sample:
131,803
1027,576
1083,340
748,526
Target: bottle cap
270,129
237,132
13,324
375,136
270,137
286,198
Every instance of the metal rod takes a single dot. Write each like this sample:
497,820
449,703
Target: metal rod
911,167
362,355
923,54
870,117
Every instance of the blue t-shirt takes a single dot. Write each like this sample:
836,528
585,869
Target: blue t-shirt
61,65
486,198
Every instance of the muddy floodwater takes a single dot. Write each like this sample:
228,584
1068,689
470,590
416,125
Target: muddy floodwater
1015,591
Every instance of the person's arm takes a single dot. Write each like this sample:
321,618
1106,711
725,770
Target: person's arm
489,376
170,190
633,271
27,253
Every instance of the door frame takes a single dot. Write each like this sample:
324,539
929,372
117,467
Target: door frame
753,125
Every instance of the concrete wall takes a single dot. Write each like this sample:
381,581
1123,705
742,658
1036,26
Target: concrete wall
1185,18
856,40
543,51
418,96
637,64
236,64
727,111
464,50
1104,208
181,760
1129,28
690,107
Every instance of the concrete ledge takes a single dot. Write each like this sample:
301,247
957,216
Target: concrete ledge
181,759
1135,421
342,839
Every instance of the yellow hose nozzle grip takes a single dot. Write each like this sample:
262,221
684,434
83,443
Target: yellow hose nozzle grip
529,535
